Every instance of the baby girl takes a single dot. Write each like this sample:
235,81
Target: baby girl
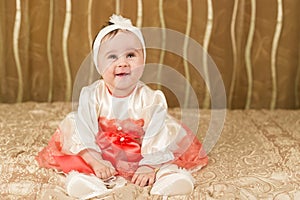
122,127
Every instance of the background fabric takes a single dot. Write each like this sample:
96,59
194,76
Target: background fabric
255,45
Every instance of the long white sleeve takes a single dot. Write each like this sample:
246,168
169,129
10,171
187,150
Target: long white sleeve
81,127
161,132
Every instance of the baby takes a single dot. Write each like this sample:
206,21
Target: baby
122,127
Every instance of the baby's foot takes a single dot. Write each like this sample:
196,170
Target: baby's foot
171,180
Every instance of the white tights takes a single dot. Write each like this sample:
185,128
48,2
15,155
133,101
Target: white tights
170,180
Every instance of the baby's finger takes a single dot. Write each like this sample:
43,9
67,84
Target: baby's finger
103,175
133,179
144,181
112,171
151,180
97,174
137,179
109,172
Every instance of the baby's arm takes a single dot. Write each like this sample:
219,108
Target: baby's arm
102,168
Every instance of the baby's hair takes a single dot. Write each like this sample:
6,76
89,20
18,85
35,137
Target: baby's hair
110,34
107,24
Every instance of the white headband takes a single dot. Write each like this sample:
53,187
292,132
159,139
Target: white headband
118,23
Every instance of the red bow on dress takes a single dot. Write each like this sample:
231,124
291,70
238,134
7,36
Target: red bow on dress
120,142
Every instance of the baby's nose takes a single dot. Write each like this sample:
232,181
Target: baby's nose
122,62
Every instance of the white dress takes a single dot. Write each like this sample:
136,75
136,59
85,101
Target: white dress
102,120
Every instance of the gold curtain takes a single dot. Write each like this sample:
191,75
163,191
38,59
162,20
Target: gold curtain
255,45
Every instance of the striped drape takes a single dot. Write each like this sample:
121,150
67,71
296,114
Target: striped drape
254,43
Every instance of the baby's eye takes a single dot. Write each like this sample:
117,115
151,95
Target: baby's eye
112,56
130,55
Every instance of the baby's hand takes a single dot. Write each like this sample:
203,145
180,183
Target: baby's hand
144,176
103,169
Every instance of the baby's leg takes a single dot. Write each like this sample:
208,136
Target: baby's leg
170,180
85,186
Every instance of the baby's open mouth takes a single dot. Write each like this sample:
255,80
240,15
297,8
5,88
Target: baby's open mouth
122,74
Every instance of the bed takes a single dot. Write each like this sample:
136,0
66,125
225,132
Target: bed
256,157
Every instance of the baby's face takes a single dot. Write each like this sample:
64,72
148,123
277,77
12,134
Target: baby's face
121,62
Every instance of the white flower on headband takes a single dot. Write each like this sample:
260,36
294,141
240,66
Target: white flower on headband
121,21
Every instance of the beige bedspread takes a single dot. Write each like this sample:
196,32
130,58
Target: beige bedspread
256,157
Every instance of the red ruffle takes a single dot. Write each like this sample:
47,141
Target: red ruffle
120,143
193,155
52,157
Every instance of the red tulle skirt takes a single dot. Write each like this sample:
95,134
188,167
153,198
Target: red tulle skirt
120,143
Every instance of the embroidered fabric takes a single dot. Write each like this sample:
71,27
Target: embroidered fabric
256,156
